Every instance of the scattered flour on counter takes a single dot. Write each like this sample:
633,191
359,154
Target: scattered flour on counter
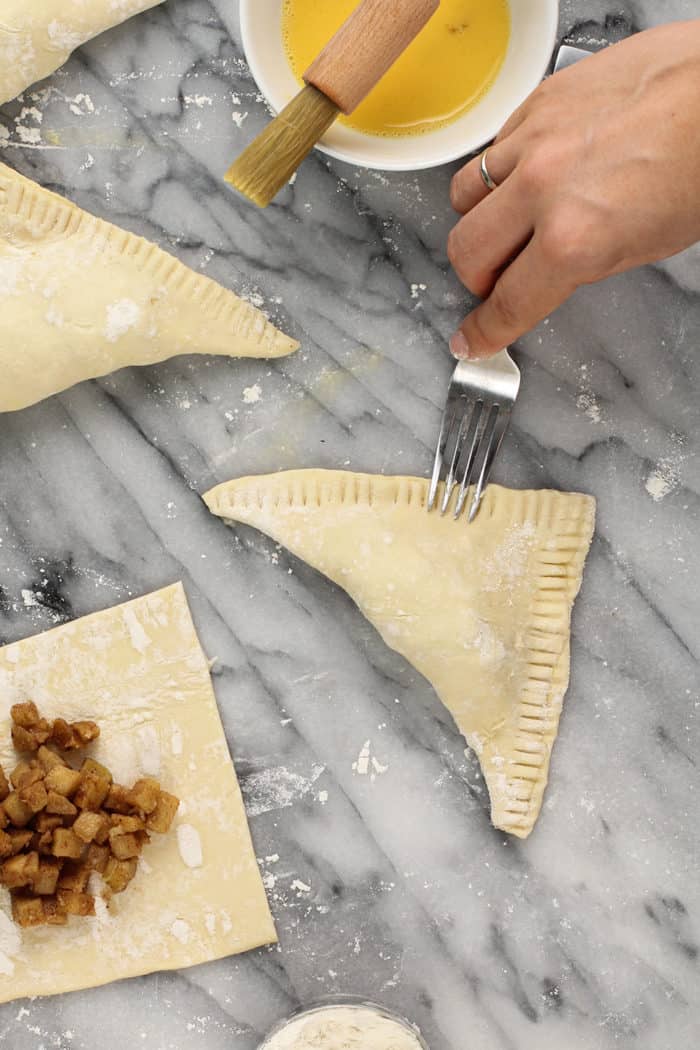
300,886
29,598
587,401
252,394
658,486
276,788
590,407
81,104
189,845
30,136
121,317
361,766
367,764
662,480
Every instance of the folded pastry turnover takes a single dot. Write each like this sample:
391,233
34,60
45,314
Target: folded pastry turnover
37,36
80,298
482,611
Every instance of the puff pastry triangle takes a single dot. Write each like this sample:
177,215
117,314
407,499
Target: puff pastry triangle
80,298
37,36
482,611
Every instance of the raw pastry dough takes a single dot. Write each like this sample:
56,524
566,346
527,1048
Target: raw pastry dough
139,671
482,610
37,36
80,298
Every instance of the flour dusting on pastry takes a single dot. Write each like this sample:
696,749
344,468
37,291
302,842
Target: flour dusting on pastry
90,298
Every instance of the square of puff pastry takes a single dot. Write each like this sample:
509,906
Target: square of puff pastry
80,298
483,611
37,36
139,671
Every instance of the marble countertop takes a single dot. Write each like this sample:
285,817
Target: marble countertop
585,937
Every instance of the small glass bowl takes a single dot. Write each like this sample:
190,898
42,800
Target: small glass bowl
347,1002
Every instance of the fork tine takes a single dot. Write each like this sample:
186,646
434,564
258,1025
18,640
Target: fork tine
450,480
501,419
446,427
475,435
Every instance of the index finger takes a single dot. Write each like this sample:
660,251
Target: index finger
527,292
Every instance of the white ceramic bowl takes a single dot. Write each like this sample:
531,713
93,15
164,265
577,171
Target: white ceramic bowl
533,35
344,1002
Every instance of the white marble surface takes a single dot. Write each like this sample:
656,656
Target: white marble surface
587,935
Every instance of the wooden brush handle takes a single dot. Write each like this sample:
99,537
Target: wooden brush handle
365,47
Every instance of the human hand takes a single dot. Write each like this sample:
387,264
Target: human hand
598,171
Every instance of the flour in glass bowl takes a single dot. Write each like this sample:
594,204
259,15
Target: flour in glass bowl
344,1028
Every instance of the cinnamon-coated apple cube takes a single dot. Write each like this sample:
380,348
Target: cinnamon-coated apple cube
25,714
76,903
163,815
91,766
54,913
67,844
63,780
59,804
119,873
89,825
34,796
92,790
20,839
19,871
144,794
18,812
74,876
124,845
44,822
26,773
97,857
127,823
117,800
27,911
49,759
45,881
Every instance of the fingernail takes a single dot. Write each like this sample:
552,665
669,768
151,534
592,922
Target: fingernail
459,345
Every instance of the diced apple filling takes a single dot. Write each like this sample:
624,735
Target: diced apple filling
59,824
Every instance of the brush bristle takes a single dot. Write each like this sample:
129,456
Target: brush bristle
272,158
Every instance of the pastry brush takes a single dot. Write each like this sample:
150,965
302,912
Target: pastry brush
351,64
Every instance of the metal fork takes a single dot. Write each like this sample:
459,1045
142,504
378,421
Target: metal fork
479,405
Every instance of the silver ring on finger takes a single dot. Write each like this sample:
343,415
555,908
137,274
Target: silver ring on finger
488,181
